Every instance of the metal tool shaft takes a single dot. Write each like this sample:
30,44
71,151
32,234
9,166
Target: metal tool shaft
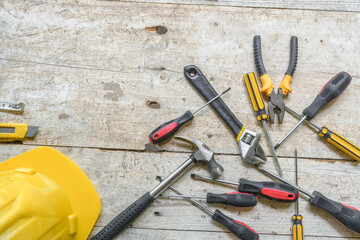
196,176
285,181
288,134
296,180
189,163
181,197
212,100
301,116
272,148
204,208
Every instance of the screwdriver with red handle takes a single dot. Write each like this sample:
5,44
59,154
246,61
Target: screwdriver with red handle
348,216
236,199
330,91
272,190
167,129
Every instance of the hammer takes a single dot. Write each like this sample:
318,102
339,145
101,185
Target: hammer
202,154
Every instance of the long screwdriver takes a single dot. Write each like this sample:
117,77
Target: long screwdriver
236,199
167,129
297,228
257,101
272,190
330,91
348,216
239,229
332,137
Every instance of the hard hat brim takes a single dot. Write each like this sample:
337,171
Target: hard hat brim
82,195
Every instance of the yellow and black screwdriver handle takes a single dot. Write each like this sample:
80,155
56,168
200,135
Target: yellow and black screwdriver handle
340,142
267,85
256,98
297,228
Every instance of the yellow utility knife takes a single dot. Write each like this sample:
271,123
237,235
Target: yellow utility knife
16,131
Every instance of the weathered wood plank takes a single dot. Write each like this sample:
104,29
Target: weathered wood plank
163,234
332,5
86,71
122,176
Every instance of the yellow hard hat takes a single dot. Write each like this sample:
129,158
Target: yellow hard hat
44,195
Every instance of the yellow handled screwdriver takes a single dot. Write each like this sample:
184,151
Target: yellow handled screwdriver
332,137
257,101
297,228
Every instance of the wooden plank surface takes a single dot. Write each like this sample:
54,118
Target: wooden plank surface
330,5
122,176
87,69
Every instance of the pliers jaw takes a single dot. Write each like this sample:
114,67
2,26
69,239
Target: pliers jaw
276,104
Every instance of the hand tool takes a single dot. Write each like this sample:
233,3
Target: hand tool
167,129
329,92
259,107
297,228
272,190
15,107
248,141
236,199
202,154
332,137
276,102
348,216
10,132
239,229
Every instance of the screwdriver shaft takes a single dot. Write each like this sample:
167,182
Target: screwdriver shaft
212,100
293,129
285,181
272,149
296,180
301,116
181,197
199,177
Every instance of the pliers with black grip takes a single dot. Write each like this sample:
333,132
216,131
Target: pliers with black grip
276,100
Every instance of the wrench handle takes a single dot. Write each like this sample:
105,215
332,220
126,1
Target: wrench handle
203,86
121,221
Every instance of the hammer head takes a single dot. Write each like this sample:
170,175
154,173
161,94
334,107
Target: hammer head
205,155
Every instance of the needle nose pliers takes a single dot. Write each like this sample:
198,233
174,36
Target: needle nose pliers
276,100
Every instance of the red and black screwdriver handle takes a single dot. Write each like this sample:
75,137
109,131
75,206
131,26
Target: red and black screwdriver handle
346,215
239,229
330,91
167,129
236,199
272,190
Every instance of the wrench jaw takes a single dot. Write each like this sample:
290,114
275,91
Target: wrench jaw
251,150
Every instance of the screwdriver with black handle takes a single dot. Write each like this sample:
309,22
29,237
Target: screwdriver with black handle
348,216
332,137
167,129
330,91
257,101
297,228
236,199
272,190
239,229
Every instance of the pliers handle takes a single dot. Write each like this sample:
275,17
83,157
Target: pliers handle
267,85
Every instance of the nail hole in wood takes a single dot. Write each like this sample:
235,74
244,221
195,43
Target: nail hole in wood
153,104
157,29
